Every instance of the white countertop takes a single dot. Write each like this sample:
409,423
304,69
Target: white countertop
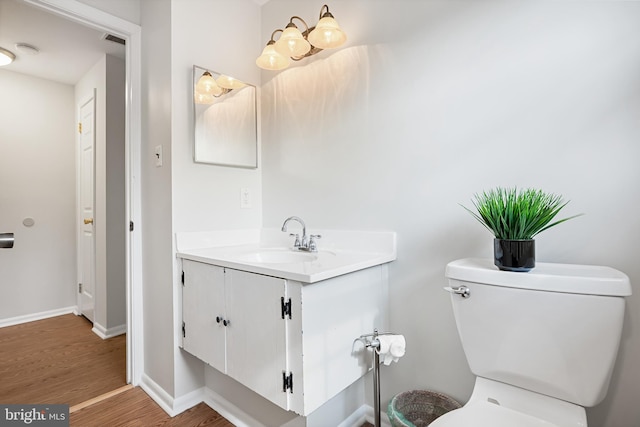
339,252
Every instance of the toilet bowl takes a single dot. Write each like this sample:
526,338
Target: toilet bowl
542,344
495,404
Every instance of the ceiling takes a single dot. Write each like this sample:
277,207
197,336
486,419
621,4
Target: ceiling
67,50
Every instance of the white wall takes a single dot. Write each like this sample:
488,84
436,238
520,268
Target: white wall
430,102
37,180
207,197
114,204
156,227
182,195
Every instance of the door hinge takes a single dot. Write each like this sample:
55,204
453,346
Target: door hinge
182,278
130,225
184,330
79,288
285,307
287,382
79,127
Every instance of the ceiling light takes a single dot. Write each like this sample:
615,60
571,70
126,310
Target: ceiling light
298,45
6,57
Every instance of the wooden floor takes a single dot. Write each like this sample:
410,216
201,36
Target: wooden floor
59,360
135,408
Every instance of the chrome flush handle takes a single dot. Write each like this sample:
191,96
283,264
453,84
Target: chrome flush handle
463,291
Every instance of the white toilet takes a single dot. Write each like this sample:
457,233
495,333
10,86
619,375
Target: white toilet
542,344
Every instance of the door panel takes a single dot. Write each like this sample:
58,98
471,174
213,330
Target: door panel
256,334
87,180
202,302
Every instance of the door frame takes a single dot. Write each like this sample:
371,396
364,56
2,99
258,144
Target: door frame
132,34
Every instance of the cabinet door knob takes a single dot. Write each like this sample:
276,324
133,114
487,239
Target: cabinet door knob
226,322
218,319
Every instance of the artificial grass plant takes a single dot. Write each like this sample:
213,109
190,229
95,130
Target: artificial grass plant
513,214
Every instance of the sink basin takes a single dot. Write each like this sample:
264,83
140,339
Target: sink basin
278,256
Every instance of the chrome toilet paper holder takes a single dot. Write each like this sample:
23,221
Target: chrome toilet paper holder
372,341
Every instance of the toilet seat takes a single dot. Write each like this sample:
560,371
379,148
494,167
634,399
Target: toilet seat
486,414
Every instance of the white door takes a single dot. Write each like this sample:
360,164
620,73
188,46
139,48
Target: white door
86,254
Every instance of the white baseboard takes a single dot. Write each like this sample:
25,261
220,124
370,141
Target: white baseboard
37,316
228,410
168,404
188,401
357,418
369,416
231,412
105,333
157,393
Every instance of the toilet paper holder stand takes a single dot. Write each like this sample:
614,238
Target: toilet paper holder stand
372,341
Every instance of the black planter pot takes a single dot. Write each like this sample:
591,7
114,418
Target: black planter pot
514,255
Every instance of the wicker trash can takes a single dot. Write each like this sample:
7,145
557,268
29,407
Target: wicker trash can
419,408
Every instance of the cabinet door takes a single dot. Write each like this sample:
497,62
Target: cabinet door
256,335
202,302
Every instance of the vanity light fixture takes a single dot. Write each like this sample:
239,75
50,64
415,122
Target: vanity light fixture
227,82
297,45
207,88
6,57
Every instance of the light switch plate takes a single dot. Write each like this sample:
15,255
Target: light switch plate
158,155
245,198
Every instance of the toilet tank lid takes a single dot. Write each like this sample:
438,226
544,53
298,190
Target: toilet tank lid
548,277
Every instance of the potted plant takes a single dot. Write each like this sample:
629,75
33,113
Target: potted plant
515,217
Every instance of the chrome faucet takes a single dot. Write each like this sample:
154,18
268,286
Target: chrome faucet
302,244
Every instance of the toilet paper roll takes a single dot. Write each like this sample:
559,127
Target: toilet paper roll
392,348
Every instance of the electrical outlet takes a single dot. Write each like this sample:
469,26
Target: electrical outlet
245,198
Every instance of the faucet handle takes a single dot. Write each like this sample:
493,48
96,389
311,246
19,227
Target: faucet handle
296,244
313,247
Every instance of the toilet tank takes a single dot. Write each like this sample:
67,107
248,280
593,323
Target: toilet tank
554,330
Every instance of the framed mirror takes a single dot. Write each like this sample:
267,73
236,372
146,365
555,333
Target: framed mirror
225,123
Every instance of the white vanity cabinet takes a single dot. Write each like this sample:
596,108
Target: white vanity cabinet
232,320
291,342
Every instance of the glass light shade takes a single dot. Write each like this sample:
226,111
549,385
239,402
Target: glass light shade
291,43
6,57
327,34
271,59
203,98
207,85
227,82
